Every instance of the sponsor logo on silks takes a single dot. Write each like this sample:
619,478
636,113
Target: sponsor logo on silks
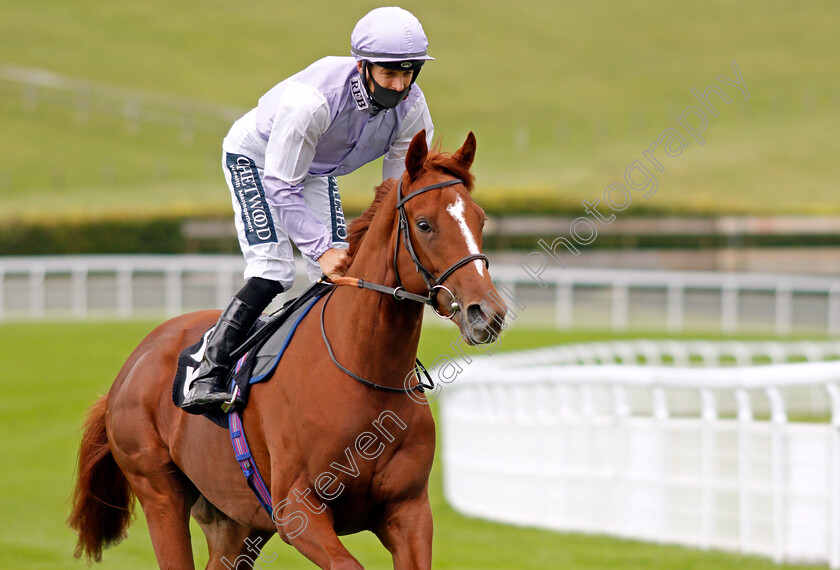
358,93
259,225
339,225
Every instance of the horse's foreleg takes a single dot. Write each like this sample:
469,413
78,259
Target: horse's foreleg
229,542
307,524
407,533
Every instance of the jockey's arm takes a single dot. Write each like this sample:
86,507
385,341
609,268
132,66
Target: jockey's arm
299,122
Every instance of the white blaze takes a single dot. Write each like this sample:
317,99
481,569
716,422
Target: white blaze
456,210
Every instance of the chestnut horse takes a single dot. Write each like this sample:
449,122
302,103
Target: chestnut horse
338,456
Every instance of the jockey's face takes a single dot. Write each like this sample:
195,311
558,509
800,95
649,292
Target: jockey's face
388,78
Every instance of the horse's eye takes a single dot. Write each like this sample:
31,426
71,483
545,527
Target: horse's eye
424,226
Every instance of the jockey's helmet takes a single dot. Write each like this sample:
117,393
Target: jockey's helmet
392,38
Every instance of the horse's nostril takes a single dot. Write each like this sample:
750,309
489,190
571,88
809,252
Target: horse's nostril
476,317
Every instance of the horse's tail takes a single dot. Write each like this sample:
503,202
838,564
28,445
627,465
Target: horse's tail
102,500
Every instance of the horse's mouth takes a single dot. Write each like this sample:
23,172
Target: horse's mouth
481,337
477,326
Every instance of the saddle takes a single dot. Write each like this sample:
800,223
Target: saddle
257,358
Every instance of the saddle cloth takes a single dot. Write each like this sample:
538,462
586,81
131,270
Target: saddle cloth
266,344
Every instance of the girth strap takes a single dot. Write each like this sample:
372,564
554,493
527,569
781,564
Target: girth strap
247,463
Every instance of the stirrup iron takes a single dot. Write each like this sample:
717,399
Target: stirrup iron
227,406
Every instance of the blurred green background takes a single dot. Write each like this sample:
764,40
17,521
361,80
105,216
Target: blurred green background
562,97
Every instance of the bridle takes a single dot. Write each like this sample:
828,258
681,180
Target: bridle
433,284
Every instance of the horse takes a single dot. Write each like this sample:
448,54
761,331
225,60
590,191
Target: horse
338,455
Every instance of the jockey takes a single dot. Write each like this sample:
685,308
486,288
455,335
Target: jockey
281,159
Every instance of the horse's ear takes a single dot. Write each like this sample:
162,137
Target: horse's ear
466,154
416,157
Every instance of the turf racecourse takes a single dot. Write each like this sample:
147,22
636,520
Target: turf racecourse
562,98
52,372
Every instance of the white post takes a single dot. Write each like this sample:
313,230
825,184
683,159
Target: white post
37,292
744,475
679,353
620,306
834,309
708,462
564,306
79,295
507,291
834,479
587,424
125,292
621,411
174,306
729,308
784,308
659,510
224,290
778,419
675,307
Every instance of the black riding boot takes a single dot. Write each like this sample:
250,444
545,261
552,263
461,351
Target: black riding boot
209,391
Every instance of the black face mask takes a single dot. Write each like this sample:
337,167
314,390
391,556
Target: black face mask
384,97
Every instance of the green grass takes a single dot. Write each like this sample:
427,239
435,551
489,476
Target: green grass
52,372
562,98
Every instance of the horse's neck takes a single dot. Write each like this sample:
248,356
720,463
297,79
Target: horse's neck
386,332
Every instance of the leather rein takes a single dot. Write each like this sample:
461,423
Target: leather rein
433,286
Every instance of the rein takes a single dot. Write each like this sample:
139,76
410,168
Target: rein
433,285
419,387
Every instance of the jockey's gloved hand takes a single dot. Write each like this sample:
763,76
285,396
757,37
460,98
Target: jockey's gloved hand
334,262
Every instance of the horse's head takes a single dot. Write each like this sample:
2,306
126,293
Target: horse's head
438,241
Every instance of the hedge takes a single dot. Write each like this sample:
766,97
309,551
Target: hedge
167,234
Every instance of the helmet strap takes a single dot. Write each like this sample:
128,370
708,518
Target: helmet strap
374,106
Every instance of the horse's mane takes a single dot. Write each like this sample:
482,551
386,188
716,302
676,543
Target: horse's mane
435,160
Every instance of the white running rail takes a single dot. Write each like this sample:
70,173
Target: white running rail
130,286
743,458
